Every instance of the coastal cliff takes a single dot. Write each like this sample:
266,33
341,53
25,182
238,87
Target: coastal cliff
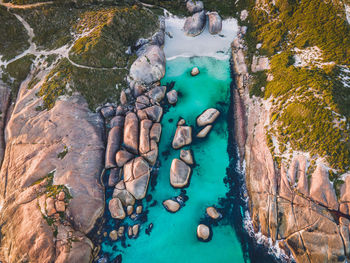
295,206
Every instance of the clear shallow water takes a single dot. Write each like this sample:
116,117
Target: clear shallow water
173,237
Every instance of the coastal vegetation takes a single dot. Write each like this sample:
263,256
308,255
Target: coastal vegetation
310,103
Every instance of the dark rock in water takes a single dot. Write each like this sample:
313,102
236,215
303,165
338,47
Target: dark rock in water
114,177
149,229
131,133
154,203
194,6
215,23
113,145
148,198
194,25
118,259
108,112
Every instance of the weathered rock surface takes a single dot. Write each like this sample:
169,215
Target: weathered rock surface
195,71
113,145
213,213
207,117
114,176
156,132
215,23
171,205
136,177
152,155
203,232
131,133
150,67
154,113
157,94
204,132
194,25
122,157
172,96
186,156
36,138
116,208
139,209
113,235
194,6
183,136
121,193
179,173
145,144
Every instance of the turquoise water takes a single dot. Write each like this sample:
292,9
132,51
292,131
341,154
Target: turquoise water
173,237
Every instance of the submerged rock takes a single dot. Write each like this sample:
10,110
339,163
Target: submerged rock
207,117
194,25
194,6
131,133
183,136
186,156
171,205
204,132
215,23
172,96
213,213
194,71
150,67
116,208
203,232
179,173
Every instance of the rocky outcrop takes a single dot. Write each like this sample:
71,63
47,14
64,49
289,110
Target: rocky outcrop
207,117
215,23
171,205
183,136
194,6
295,207
195,24
149,67
179,173
62,146
203,232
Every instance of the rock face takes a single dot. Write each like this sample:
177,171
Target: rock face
116,208
194,6
207,117
213,213
215,23
186,156
171,205
150,67
136,177
183,136
36,138
194,25
131,133
179,173
204,132
172,96
203,232
290,204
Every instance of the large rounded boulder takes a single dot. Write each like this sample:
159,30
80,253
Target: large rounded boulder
149,67
203,232
215,23
194,25
183,136
207,117
179,173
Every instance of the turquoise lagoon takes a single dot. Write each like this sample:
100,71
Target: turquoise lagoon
173,237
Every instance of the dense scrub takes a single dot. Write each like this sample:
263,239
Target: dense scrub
310,102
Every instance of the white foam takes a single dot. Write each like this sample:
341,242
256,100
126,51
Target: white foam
205,44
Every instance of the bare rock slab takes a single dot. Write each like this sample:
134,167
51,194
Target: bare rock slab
207,117
179,173
171,205
194,25
131,133
183,136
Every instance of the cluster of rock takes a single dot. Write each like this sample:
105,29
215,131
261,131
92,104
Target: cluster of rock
204,230
195,24
296,209
56,205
